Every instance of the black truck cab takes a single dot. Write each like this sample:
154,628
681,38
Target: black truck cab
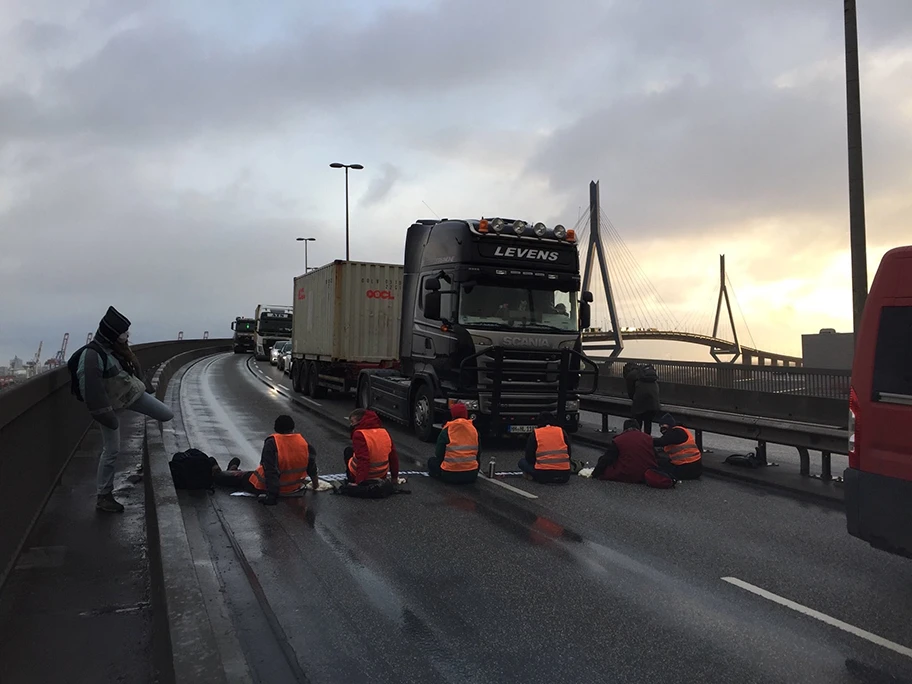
491,317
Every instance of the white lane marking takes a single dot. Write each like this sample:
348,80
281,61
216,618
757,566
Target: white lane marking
513,489
823,617
277,389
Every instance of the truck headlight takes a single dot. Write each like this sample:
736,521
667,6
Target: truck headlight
470,404
572,405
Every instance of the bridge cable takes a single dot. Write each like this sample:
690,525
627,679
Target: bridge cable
671,318
650,299
628,283
740,311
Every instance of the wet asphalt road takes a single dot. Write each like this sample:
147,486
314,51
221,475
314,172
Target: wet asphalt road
586,582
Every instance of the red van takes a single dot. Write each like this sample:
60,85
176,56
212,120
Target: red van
878,481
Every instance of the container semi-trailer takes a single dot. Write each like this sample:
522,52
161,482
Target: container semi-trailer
489,314
273,324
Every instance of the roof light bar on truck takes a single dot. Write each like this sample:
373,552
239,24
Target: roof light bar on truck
539,229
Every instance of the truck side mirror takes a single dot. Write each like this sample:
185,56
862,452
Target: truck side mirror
232,326
587,297
432,304
585,313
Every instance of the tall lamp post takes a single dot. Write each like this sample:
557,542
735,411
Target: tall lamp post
856,169
357,167
305,241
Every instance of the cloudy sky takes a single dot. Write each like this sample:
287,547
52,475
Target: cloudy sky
162,156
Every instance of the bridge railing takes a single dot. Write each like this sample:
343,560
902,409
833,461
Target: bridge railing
807,382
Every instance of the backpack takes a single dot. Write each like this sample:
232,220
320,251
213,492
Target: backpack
659,480
648,373
191,469
73,366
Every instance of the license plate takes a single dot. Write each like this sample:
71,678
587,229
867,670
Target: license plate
520,428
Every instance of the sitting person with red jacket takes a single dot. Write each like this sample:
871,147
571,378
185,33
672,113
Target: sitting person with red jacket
372,455
628,456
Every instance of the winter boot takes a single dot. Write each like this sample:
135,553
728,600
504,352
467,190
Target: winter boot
109,504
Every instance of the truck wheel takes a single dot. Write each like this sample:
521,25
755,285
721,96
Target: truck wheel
296,376
363,396
313,381
423,414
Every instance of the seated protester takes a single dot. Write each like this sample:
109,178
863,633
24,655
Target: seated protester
683,460
372,455
458,451
628,456
547,459
284,462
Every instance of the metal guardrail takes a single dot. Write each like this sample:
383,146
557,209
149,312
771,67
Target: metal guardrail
803,436
808,382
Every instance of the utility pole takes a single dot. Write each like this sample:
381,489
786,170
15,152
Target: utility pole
856,169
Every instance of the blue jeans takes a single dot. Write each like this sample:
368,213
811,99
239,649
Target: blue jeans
147,405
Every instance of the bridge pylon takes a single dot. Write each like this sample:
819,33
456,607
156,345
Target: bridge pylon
597,251
734,350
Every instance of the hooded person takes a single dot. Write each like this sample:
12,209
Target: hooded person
458,451
643,390
109,379
683,459
628,457
372,455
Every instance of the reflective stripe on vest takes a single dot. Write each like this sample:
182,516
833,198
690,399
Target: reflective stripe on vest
551,451
293,459
682,454
462,451
379,446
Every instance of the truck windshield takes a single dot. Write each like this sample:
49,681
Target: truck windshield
276,325
516,308
244,326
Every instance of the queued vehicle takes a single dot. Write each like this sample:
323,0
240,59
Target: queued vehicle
878,481
275,353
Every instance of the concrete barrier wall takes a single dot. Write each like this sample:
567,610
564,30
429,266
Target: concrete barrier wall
41,424
801,409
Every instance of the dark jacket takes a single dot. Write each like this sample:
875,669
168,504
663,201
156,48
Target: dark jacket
361,454
269,459
627,458
643,393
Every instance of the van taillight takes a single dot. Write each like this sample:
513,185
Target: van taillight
854,424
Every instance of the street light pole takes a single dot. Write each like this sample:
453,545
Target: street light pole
337,165
856,169
305,241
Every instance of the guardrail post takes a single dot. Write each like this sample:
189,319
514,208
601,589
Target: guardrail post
826,467
805,459
605,427
698,438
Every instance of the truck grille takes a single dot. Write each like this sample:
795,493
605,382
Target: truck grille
519,406
522,371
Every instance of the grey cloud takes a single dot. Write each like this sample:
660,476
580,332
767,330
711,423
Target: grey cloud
380,186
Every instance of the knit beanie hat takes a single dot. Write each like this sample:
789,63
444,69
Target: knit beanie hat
113,325
668,420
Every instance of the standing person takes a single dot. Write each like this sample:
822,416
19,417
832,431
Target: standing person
643,389
683,459
287,460
109,378
547,459
372,455
458,451
627,457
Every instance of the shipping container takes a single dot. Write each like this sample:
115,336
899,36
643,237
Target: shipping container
348,312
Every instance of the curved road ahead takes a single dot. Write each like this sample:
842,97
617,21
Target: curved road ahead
710,582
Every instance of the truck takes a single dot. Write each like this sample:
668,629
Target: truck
244,332
273,324
488,312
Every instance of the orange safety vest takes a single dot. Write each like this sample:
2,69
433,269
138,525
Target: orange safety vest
551,451
462,452
379,446
293,458
682,454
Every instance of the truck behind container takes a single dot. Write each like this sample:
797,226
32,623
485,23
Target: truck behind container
346,319
273,324
244,335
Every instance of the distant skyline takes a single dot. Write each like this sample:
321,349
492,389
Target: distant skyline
162,156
